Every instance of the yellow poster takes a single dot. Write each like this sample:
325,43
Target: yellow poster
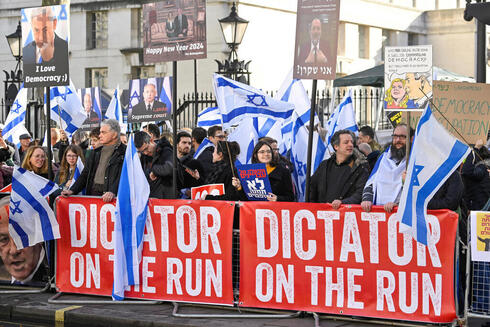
480,236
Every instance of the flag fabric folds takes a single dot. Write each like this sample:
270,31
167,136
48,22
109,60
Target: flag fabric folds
246,136
15,122
114,110
237,100
206,143
343,117
31,220
78,171
66,108
209,117
435,155
131,214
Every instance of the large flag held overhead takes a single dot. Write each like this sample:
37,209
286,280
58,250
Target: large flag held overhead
31,220
131,213
114,110
237,100
435,156
343,117
15,122
66,108
246,136
209,117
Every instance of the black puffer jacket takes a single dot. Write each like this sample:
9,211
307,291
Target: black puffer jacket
449,195
222,174
349,190
161,164
476,182
282,184
112,172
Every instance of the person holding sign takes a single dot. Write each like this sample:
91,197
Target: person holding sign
279,176
224,171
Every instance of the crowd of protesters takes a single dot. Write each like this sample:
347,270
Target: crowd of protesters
352,175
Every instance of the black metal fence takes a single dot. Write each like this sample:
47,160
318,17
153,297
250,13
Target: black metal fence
366,102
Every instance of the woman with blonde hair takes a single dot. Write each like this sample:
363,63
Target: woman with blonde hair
396,97
35,161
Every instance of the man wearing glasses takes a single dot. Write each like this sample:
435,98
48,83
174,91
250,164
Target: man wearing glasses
384,186
215,134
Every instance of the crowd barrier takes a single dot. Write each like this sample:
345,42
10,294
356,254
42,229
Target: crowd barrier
292,256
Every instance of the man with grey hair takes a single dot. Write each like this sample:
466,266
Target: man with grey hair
102,171
47,48
341,178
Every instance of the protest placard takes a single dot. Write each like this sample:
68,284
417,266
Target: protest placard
45,38
186,250
150,99
408,77
465,105
174,30
200,192
255,181
90,99
480,236
309,257
315,55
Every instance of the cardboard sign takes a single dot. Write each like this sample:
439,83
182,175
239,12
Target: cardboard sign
200,192
186,250
317,24
150,99
465,105
309,257
480,236
45,38
174,30
408,77
255,181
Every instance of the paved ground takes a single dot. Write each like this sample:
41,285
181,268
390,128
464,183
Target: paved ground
33,310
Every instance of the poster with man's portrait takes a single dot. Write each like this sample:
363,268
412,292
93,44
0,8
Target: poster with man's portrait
174,30
28,266
315,55
150,99
90,99
45,37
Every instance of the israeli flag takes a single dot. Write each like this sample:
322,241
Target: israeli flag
31,220
343,117
78,171
237,100
435,156
246,136
66,108
206,143
15,122
209,117
131,213
166,93
114,110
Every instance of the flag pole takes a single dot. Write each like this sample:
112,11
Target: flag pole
310,140
48,132
174,129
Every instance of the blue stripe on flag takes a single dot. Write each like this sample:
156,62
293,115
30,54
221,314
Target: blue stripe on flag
205,111
209,122
269,123
254,110
43,214
23,236
285,96
47,188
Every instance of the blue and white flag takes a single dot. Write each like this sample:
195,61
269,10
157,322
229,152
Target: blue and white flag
209,117
78,171
66,108
206,143
15,122
131,214
435,156
246,136
31,220
114,110
343,117
237,100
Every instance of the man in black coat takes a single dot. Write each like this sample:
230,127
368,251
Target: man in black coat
101,174
191,171
47,48
157,163
180,23
341,178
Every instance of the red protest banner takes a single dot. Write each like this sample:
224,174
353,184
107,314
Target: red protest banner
307,256
200,192
186,250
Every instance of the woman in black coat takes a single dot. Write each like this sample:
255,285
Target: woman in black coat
279,176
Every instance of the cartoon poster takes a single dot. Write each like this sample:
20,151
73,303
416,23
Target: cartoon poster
255,181
480,236
315,51
174,30
45,38
150,99
408,77
90,99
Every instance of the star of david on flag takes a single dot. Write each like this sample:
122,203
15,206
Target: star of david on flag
15,122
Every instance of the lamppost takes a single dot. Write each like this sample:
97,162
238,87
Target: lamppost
481,11
14,79
233,28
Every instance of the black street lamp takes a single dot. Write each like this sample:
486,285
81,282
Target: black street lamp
481,11
233,28
14,78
